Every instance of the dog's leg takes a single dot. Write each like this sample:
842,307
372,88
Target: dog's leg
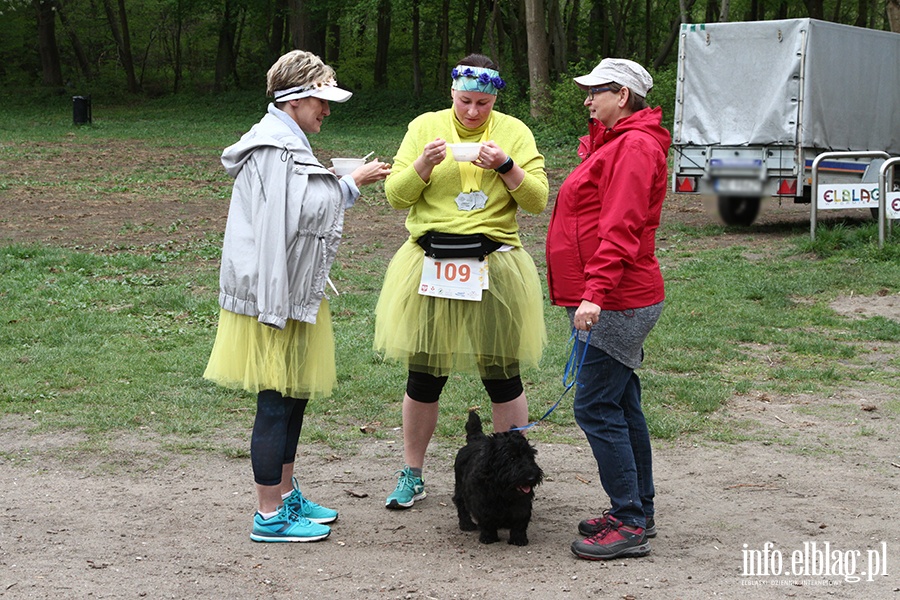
488,535
465,519
518,535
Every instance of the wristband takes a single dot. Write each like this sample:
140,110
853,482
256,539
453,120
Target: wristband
506,167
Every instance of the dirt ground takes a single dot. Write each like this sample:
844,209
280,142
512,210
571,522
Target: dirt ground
809,511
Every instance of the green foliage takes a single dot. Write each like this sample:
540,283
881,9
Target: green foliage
663,92
18,32
386,107
567,116
176,44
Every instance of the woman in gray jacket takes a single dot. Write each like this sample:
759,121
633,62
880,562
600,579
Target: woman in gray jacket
274,336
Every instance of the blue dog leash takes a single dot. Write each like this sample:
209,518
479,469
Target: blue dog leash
573,368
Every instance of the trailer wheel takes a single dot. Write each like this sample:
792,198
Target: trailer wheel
738,210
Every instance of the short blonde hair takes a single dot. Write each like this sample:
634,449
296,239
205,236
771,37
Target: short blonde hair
298,68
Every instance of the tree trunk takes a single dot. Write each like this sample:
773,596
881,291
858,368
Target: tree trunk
476,19
815,9
118,24
862,13
127,58
49,52
276,34
80,55
480,25
756,11
538,69
684,7
782,11
382,43
333,37
893,13
496,35
598,33
444,58
179,25
573,47
518,42
469,28
648,30
620,12
663,54
558,43
836,15
299,25
416,60
226,67
308,23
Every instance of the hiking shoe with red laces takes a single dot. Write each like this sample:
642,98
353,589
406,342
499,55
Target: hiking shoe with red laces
590,527
613,541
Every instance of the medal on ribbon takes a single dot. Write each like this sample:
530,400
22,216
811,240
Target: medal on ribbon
471,197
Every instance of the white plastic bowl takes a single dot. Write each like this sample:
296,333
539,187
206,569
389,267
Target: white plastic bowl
465,152
345,166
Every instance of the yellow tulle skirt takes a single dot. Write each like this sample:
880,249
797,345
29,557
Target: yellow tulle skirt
297,361
493,337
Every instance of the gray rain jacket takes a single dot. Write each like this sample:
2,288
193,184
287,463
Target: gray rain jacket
284,224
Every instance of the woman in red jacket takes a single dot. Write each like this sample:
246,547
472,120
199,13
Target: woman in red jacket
602,267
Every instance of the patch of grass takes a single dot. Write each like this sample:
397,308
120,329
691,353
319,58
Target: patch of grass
116,339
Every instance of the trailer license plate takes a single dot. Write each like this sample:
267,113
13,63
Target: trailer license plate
738,186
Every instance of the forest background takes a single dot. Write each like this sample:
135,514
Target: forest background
399,52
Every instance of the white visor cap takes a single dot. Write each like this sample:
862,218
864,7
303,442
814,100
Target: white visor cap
332,93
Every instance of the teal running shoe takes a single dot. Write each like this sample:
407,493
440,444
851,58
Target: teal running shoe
307,508
410,489
287,526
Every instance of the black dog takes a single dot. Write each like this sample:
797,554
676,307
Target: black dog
495,480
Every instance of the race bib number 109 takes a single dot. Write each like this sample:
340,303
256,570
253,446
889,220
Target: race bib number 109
456,278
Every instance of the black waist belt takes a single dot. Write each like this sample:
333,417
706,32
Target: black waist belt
454,245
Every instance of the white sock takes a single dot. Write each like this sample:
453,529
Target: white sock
267,516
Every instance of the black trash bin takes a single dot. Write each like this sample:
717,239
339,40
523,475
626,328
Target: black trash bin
81,109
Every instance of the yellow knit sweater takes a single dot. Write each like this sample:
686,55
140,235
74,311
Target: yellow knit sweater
432,204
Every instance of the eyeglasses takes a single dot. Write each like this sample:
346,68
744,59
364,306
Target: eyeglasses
594,91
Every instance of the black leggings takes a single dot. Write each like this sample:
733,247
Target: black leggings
426,388
276,433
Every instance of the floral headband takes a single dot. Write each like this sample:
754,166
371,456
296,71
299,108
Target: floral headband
476,79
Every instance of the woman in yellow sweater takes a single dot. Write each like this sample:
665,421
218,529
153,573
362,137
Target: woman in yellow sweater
461,294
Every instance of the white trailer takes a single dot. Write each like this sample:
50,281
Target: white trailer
757,101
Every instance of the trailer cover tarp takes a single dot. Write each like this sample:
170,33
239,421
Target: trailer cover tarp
744,84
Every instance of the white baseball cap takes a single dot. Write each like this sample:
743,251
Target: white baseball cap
626,73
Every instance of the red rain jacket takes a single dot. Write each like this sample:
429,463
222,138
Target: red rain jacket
601,242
